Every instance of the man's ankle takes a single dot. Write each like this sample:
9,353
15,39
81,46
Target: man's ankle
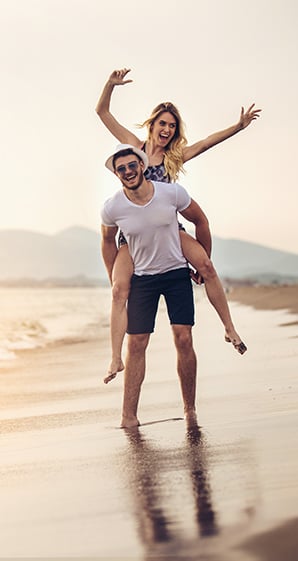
190,417
129,421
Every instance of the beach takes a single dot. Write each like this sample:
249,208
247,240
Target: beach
75,485
267,297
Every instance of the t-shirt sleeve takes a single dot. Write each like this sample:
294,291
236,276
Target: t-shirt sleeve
106,217
183,199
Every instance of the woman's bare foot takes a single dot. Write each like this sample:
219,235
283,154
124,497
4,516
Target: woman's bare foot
231,336
115,367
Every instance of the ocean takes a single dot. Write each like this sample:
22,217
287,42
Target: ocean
34,317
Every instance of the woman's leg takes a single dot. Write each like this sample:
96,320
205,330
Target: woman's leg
198,258
122,272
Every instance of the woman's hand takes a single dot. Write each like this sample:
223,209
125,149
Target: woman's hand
117,77
248,116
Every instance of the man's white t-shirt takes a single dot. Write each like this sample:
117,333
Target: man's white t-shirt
151,230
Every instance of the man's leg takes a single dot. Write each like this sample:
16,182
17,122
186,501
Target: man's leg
187,370
141,311
178,294
133,377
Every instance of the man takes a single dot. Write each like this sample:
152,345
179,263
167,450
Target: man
146,213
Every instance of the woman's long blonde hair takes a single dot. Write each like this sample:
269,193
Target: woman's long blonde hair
173,158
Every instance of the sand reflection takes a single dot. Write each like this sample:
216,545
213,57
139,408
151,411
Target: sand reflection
170,493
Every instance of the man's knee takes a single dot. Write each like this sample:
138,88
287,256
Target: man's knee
183,337
137,343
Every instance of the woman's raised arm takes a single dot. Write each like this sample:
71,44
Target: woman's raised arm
117,78
246,117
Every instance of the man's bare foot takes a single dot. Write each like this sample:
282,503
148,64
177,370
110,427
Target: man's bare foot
115,367
129,422
190,417
231,336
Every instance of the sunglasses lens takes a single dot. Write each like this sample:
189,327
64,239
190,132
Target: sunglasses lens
132,166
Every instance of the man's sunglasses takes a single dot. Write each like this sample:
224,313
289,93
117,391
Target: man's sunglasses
132,166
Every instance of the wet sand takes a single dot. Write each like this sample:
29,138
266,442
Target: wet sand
273,297
75,485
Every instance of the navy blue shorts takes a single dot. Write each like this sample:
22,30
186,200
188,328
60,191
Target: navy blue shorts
144,296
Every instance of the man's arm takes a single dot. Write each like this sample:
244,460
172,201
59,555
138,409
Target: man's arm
193,213
109,248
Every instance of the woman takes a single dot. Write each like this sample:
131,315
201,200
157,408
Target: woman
167,150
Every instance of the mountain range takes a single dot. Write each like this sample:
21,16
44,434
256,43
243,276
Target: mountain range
75,253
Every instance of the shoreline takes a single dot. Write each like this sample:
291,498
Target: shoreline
266,297
258,297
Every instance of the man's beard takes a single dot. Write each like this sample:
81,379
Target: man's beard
134,187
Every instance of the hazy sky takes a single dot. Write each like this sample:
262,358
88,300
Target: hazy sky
209,58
